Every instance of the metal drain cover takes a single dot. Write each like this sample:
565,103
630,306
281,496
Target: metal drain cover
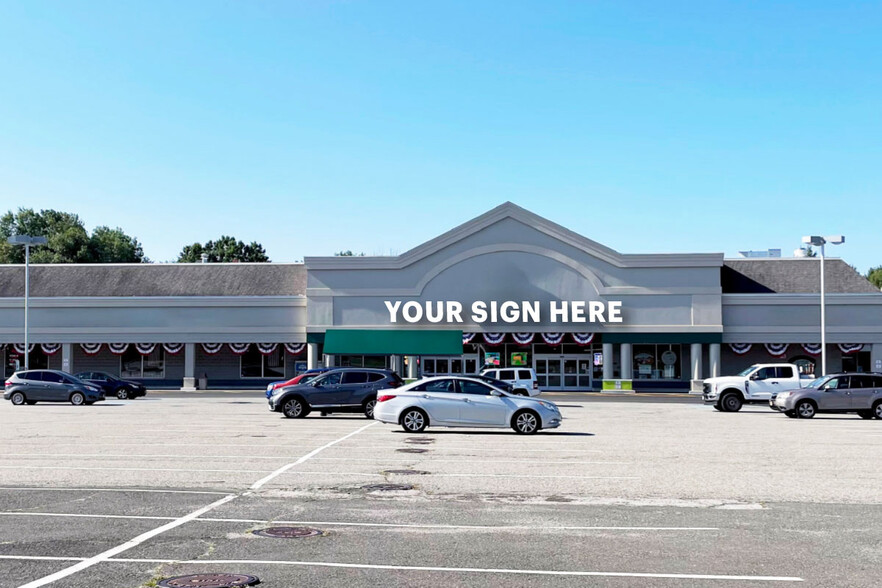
287,532
387,487
411,450
406,472
209,581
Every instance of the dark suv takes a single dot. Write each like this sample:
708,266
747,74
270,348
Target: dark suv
339,390
112,385
35,386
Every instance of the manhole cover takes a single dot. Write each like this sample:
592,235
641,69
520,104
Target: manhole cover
287,532
387,487
419,440
406,472
411,450
210,581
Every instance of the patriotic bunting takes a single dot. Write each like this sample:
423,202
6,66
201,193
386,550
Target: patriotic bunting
20,348
239,348
117,348
90,348
552,338
740,348
295,348
522,338
173,348
50,348
467,338
266,348
812,348
849,348
583,338
776,349
145,348
211,348
494,338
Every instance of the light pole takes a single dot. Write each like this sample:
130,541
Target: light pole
27,241
820,242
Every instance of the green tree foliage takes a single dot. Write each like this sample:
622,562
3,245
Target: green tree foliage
68,240
225,249
875,276
348,253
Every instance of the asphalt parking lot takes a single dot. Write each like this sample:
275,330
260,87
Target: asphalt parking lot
628,492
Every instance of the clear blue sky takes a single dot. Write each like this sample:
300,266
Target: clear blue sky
315,126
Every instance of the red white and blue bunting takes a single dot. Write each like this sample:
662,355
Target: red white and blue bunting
467,338
50,348
583,338
849,348
145,348
494,338
776,349
295,348
812,348
522,338
239,348
173,348
740,348
20,348
267,348
117,348
212,348
552,338
90,348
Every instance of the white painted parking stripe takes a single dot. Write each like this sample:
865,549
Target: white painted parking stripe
124,490
475,475
353,524
480,461
150,455
577,573
107,555
41,558
108,469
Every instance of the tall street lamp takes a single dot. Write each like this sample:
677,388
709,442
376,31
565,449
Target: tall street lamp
27,241
817,241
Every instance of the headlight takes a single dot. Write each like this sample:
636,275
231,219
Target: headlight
548,405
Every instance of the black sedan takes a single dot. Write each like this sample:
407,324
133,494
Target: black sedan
114,386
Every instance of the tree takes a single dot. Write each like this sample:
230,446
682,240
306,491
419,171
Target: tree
348,253
225,249
68,240
875,276
809,252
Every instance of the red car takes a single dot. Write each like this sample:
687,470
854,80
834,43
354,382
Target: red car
300,379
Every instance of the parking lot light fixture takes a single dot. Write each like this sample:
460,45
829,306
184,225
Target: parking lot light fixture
818,241
27,241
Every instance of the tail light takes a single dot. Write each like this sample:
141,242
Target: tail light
385,397
535,385
394,384
7,383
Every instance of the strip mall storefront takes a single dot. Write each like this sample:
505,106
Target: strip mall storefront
508,288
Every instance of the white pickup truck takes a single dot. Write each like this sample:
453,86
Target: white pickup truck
755,385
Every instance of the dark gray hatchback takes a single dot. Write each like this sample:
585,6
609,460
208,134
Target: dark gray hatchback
35,386
339,390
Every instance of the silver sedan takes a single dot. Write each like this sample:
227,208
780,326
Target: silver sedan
463,402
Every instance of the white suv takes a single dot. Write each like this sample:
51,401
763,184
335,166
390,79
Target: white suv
523,380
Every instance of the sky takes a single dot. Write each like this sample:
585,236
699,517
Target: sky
319,126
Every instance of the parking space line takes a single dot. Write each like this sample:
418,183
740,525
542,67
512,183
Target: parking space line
475,475
481,461
151,455
108,469
577,573
83,516
144,490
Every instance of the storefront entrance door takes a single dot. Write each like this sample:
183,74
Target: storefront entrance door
563,372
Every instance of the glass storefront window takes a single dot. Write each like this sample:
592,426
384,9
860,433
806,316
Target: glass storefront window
148,367
656,362
254,364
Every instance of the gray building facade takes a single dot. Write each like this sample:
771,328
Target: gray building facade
508,288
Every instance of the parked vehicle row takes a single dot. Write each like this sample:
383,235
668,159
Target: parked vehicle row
33,386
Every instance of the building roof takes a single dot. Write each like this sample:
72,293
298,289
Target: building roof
791,276
155,279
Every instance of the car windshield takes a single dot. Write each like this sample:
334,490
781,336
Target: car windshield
818,382
747,371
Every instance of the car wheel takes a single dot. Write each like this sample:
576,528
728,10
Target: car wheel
865,414
295,409
122,393
77,399
18,398
877,410
805,410
369,407
413,420
520,392
717,406
731,402
525,422
790,413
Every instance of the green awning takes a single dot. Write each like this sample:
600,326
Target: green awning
392,342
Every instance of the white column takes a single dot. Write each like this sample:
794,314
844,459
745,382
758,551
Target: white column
189,383
412,367
714,360
67,358
607,361
329,361
627,362
695,384
312,355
